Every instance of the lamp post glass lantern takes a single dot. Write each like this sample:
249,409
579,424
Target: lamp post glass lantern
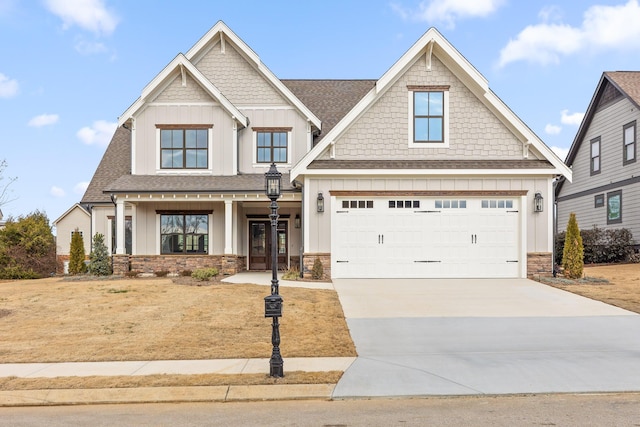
273,302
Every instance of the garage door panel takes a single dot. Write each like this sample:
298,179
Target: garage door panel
438,238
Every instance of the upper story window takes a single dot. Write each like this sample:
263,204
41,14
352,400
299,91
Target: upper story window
629,143
428,116
184,147
595,156
272,145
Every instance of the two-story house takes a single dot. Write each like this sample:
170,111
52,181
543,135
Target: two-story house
424,172
605,191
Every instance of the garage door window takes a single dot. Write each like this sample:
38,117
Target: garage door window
497,204
451,204
357,204
398,204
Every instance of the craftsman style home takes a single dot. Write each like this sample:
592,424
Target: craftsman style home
603,158
423,173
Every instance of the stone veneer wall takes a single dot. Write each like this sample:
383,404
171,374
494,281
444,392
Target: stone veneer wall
310,258
539,264
176,264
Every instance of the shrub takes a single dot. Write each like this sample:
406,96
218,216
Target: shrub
17,272
601,246
291,274
161,273
27,247
573,252
76,254
100,262
204,274
186,273
317,271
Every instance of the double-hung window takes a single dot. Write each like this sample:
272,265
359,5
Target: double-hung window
184,233
272,145
184,147
428,116
629,143
595,156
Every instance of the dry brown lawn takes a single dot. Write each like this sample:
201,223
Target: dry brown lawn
620,285
56,320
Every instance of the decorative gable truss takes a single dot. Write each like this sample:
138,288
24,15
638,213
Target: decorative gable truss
432,49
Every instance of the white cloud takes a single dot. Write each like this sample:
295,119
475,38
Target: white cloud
80,187
43,120
571,119
448,11
91,15
57,191
8,87
89,48
99,133
552,129
560,152
603,27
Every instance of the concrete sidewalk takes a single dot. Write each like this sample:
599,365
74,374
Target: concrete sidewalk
168,394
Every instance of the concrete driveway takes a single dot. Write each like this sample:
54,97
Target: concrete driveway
484,336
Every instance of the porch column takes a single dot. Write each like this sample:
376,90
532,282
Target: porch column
228,227
120,248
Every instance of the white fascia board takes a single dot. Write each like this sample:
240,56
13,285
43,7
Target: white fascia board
528,134
433,172
179,60
222,28
442,46
301,167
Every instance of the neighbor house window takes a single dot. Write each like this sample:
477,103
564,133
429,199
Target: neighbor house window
428,106
629,140
614,207
595,156
272,145
184,147
184,233
598,200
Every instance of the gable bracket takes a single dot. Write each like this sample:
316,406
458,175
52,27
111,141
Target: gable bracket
429,54
222,46
525,149
183,73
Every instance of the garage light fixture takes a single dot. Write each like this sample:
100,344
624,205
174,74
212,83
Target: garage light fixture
320,202
538,203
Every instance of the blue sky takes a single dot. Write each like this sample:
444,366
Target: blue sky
69,68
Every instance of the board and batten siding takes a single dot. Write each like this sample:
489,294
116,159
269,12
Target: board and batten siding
539,233
607,124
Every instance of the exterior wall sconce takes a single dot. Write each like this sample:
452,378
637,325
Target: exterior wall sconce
296,221
538,203
320,202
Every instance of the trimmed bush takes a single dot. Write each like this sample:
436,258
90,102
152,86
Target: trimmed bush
204,274
601,246
573,252
100,261
317,271
76,254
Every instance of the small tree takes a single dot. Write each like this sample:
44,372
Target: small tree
317,271
100,264
76,254
573,252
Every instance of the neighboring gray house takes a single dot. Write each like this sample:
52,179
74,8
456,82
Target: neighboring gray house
605,191
421,173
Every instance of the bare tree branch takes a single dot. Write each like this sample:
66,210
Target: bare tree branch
4,189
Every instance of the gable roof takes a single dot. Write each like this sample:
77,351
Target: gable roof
220,29
626,83
432,42
68,211
182,63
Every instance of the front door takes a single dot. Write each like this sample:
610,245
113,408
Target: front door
260,245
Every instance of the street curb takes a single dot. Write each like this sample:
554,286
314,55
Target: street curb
101,396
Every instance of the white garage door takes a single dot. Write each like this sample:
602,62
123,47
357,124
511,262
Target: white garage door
425,238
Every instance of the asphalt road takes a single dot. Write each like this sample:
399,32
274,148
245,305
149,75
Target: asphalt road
536,410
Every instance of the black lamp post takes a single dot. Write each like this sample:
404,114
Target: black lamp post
273,302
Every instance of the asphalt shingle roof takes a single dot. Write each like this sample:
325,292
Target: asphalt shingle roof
628,82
